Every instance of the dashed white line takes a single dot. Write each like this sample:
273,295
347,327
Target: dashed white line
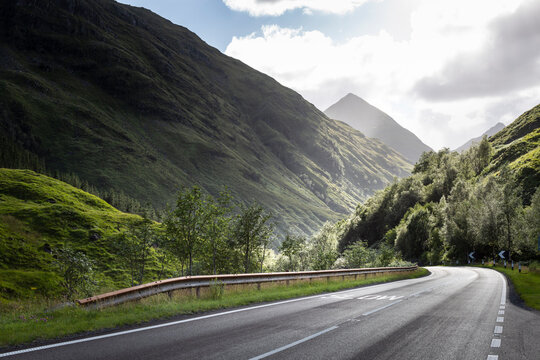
500,319
498,330
493,357
293,344
501,312
381,308
496,343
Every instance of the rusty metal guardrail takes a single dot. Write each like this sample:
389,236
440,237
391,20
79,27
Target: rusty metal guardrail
198,282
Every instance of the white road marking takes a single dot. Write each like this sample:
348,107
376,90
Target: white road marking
493,357
498,330
381,308
65,343
502,307
503,294
500,319
379,297
501,312
496,343
293,344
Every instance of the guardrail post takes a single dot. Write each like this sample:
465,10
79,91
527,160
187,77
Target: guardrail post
198,291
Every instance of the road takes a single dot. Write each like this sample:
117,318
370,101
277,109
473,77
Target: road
455,313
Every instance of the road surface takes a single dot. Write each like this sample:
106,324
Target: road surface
455,313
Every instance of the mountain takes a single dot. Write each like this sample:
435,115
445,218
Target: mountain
129,101
374,123
518,146
490,132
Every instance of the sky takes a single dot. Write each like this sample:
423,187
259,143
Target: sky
445,69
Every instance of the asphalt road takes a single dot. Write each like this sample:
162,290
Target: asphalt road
455,313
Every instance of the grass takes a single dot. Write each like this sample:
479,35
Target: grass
527,285
29,321
39,214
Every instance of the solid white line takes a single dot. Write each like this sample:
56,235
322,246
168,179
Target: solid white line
381,308
44,347
493,357
496,343
498,330
503,294
500,319
293,344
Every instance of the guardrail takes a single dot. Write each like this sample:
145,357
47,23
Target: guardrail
203,281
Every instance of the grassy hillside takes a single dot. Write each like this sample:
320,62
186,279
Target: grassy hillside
39,214
128,101
518,146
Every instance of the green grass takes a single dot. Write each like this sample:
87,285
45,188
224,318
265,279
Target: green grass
28,321
527,285
39,214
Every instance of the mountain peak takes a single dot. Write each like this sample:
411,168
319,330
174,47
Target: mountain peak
374,123
489,132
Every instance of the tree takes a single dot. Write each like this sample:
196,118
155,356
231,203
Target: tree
218,227
187,224
76,271
488,216
510,206
134,246
251,231
481,155
413,232
291,246
323,248
358,255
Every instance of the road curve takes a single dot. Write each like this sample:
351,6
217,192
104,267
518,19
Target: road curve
455,313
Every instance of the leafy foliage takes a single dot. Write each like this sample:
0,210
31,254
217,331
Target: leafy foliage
455,204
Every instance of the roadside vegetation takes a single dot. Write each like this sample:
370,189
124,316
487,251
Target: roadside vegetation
526,282
453,204
31,321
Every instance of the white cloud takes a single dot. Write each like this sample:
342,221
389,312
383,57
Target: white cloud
385,71
279,7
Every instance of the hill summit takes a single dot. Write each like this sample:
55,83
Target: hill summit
374,123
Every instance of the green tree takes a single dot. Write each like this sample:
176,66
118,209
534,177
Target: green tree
187,224
76,270
413,232
358,255
510,206
323,248
251,231
292,246
134,247
218,227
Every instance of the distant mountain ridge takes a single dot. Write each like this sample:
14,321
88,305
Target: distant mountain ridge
129,101
490,132
374,123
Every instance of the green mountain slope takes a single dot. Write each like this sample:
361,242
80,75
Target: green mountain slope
128,101
518,146
374,123
39,214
